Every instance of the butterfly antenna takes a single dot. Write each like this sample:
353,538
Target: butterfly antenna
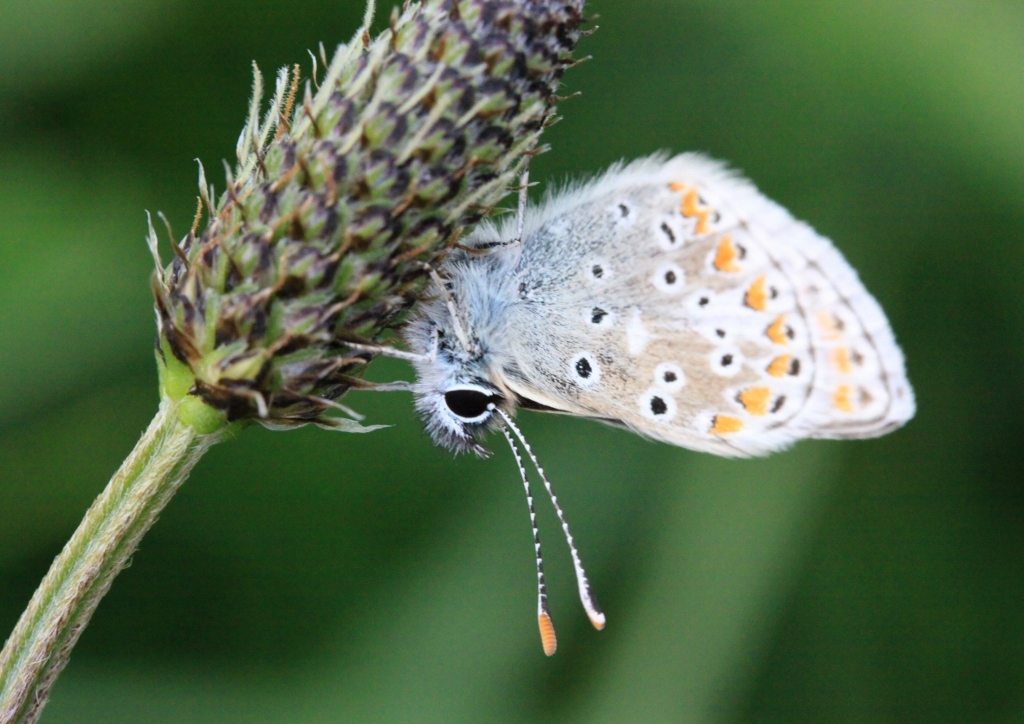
547,628
586,594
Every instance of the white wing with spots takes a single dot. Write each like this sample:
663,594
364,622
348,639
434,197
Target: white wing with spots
672,297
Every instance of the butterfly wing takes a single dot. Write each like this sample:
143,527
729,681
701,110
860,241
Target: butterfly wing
672,297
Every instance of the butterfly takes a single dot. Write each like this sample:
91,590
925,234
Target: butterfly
669,297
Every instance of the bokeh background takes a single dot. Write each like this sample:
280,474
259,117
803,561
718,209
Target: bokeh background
310,576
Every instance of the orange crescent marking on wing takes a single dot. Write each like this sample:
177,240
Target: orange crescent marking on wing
841,360
776,333
724,425
725,257
691,208
756,296
841,399
755,400
779,366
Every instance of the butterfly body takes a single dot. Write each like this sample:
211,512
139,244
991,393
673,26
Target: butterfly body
667,296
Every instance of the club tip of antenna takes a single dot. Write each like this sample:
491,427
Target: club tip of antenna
547,634
594,612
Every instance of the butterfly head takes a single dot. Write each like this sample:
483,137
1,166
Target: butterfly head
453,391
457,391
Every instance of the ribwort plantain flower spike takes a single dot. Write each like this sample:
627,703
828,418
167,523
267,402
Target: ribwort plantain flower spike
346,191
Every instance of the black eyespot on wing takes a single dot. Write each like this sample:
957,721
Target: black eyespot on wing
597,270
669,234
670,278
597,315
658,406
468,404
726,360
669,377
583,368
624,210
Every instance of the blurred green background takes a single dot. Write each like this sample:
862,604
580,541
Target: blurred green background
310,576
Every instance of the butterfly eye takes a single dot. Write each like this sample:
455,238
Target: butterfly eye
468,403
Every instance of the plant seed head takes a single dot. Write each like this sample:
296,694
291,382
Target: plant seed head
346,189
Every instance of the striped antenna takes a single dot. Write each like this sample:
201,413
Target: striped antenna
586,595
547,628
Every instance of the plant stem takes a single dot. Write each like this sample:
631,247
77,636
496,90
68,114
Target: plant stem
80,576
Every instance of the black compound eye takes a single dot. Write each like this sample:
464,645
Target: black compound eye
468,404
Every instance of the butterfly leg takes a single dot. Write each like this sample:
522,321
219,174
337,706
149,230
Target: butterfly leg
524,197
453,312
386,351
343,408
399,386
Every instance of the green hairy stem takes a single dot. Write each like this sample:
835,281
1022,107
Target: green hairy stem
41,643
